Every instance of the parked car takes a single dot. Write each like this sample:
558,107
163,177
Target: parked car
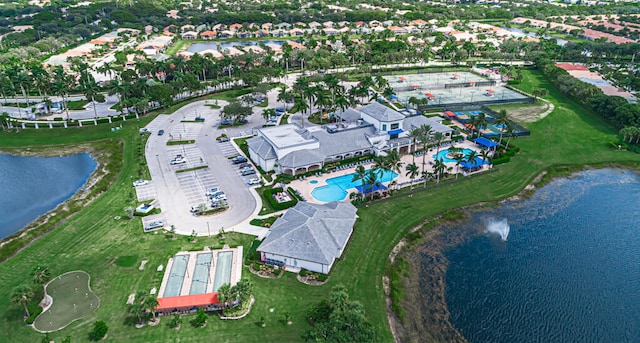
160,132
223,139
140,183
221,196
212,191
216,195
194,209
244,165
199,119
144,130
242,121
248,172
155,225
178,161
239,159
254,181
226,122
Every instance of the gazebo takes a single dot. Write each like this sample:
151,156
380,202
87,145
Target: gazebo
486,143
366,190
473,165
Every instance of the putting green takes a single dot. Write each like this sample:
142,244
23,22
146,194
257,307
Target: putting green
71,299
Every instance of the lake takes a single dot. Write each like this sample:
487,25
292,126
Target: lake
197,47
32,186
568,271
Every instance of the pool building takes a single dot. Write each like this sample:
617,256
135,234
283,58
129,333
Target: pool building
309,236
373,129
192,279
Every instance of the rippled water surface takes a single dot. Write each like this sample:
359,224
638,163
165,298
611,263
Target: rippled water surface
32,186
569,270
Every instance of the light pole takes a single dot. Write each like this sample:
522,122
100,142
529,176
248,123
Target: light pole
208,230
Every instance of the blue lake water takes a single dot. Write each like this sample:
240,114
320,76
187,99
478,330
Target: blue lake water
569,270
197,47
32,186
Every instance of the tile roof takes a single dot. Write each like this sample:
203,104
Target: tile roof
311,232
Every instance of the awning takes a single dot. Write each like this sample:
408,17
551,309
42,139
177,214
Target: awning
395,132
366,189
187,301
490,91
485,142
449,113
473,164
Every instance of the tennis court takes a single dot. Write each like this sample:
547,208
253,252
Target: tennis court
444,89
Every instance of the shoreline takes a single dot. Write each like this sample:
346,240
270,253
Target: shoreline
433,242
65,210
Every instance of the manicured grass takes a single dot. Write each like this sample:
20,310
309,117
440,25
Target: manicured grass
182,142
93,240
190,169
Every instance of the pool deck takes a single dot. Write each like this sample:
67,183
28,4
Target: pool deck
236,269
305,187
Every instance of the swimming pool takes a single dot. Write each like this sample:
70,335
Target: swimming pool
443,154
313,182
337,187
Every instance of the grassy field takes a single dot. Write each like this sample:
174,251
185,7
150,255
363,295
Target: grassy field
93,240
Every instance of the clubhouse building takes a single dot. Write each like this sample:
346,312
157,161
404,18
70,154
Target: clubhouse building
373,129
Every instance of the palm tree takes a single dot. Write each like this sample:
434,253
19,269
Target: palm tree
22,295
137,308
394,161
224,294
480,122
302,107
484,154
381,82
41,274
150,304
426,138
438,138
412,172
425,176
360,174
511,133
471,157
90,90
439,168
414,134
176,321
371,181
459,159
501,119
321,100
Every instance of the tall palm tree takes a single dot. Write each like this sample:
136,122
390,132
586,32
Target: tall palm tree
90,91
321,100
22,295
412,172
438,138
394,161
459,159
360,174
511,133
302,107
484,154
501,119
439,168
224,294
371,181
425,137
414,134
425,176
481,121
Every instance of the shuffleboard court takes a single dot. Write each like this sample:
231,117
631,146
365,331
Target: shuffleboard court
71,298
223,269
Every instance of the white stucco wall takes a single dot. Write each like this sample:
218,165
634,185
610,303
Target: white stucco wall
297,263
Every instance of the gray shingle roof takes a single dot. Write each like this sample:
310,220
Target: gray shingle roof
416,121
261,147
350,115
381,112
301,158
311,232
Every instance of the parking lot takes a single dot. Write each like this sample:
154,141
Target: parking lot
191,153
227,149
195,183
146,192
158,124
153,218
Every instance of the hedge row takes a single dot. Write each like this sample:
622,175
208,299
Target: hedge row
278,206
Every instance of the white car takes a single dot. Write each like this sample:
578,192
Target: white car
178,161
254,181
155,225
140,183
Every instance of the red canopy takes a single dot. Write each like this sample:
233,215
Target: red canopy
402,78
490,91
187,301
450,114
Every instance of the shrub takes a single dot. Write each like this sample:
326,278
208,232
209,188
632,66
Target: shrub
278,206
100,329
34,313
634,148
322,277
501,160
303,272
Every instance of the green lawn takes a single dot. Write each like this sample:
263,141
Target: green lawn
93,240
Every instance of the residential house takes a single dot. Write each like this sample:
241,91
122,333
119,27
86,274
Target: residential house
261,33
226,34
189,35
187,27
208,34
283,26
398,30
235,27
330,31
300,24
266,26
296,32
328,24
314,25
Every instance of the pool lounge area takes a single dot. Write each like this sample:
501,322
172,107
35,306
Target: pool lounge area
337,188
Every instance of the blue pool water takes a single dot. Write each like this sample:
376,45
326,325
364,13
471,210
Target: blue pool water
337,187
313,182
443,155
197,47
